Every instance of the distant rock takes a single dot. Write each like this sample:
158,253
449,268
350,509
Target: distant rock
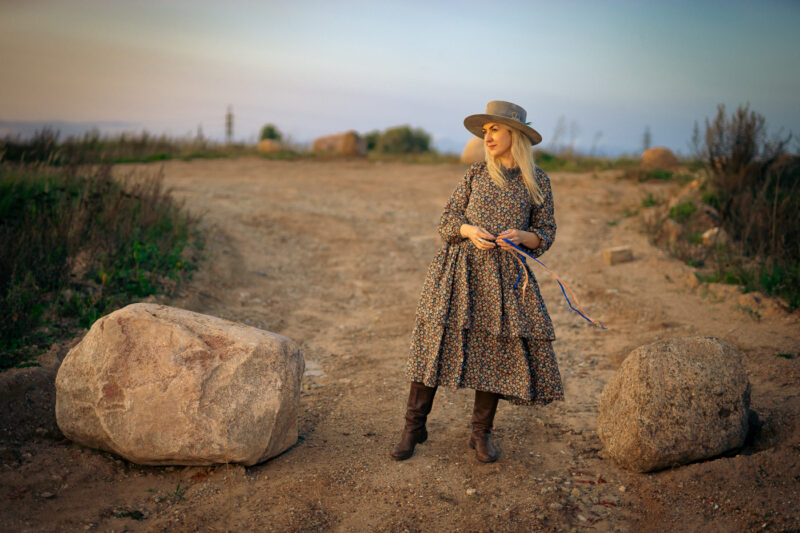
474,152
659,158
348,143
268,146
617,255
159,385
715,236
673,402
669,232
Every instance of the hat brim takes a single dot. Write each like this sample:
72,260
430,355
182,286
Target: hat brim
474,123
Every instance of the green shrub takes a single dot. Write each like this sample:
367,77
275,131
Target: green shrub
682,211
371,139
403,140
78,244
270,131
650,200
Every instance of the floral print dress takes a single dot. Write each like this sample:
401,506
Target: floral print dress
474,328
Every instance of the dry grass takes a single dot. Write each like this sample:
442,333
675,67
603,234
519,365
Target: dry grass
79,244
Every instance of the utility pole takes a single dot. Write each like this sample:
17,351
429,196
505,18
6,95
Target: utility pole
229,125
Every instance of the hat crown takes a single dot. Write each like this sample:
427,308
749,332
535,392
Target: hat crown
507,110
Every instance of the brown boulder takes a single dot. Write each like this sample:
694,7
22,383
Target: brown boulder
474,151
348,143
159,385
659,158
673,402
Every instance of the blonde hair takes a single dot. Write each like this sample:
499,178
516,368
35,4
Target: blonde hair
522,152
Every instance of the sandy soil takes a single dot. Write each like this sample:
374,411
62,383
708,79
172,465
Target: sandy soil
332,254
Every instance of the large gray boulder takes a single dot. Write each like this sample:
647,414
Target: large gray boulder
159,385
673,402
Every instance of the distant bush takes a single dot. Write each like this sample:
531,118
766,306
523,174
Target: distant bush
270,131
42,147
78,244
754,186
575,162
371,139
92,147
403,140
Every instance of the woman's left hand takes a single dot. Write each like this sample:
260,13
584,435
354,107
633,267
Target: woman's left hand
518,237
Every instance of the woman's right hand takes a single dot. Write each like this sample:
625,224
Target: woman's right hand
482,239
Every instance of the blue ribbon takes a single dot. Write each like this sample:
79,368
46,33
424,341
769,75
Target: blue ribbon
563,291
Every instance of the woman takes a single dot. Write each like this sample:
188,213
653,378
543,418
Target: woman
481,322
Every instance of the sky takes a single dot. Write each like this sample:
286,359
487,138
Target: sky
591,74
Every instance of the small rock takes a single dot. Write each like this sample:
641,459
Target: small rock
555,506
576,493
619,254
670,231
471,492
622,488
313,369
47,495
715,236
582,518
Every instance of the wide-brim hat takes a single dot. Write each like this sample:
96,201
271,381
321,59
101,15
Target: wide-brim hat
505,113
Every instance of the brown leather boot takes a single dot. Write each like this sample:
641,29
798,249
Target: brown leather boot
420,401
482,423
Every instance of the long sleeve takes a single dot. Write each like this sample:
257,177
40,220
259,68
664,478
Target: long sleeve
453,216
543,222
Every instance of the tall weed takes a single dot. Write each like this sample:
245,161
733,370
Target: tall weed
78,243
755,185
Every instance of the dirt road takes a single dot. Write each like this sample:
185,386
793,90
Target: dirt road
333,254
